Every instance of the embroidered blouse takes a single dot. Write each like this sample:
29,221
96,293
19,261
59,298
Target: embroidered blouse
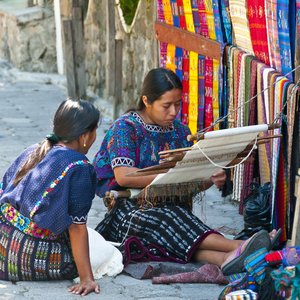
56,192
131,142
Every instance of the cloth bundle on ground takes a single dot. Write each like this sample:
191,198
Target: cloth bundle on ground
171,272
105,258
261,277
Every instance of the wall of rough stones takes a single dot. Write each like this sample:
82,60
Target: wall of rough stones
27,39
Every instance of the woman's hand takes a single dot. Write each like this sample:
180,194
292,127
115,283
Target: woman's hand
219,178
80,250
85,287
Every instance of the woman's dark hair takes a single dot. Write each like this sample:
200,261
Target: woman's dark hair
72,119
157,82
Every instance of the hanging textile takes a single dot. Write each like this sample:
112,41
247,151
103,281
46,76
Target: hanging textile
272,33
193,71
162,46
240,25
284,37
257,25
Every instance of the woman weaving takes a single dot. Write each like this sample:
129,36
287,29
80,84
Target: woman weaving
170,232
45,197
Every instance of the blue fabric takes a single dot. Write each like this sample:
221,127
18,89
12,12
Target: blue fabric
284,37
69,202
131,143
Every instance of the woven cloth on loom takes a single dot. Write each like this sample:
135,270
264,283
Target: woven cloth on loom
258,32
221,147
240,25
272,33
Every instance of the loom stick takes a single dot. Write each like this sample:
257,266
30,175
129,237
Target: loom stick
171,157
200,136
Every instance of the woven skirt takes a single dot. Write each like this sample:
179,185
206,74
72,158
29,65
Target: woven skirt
168,233
25,257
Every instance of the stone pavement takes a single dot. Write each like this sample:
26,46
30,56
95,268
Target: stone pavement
27,104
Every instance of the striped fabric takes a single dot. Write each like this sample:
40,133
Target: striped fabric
284,37
177,236
162,46
38,259
272,33
258,32
240,25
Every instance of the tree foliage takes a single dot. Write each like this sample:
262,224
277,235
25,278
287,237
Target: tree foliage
129,8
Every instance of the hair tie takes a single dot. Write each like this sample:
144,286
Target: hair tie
53,138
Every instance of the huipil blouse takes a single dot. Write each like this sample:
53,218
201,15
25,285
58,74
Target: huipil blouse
130,142
57,192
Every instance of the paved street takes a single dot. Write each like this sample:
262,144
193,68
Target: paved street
27,103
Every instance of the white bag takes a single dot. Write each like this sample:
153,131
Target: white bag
105,258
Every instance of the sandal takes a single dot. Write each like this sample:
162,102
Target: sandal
258,241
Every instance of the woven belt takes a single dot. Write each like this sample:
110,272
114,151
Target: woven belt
24,224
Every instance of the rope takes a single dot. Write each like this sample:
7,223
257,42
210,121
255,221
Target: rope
233,166
219,120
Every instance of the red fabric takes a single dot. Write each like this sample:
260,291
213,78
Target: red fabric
258,29
274,258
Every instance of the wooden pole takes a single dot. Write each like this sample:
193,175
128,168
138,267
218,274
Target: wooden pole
118,78
187,40
79,51
75,53
111,49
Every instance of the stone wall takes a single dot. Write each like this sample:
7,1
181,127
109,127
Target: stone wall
27,38
140,52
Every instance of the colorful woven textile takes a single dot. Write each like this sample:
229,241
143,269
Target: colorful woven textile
287,282
284,37
272,33
208,92
240,25
201,91
258,32
162,46
38,259
263,150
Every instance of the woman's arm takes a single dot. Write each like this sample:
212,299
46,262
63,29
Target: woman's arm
80,249
131,181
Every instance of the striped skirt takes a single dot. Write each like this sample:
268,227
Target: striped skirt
26,257
168,233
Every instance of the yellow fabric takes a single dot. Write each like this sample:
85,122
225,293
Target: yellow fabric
187,8
167,12
210,19
170,62
193,92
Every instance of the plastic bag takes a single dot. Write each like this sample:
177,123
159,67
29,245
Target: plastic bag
257,210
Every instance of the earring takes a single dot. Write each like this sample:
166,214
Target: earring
84,144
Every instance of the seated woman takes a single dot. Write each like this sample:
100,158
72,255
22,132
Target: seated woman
45,197
132,143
